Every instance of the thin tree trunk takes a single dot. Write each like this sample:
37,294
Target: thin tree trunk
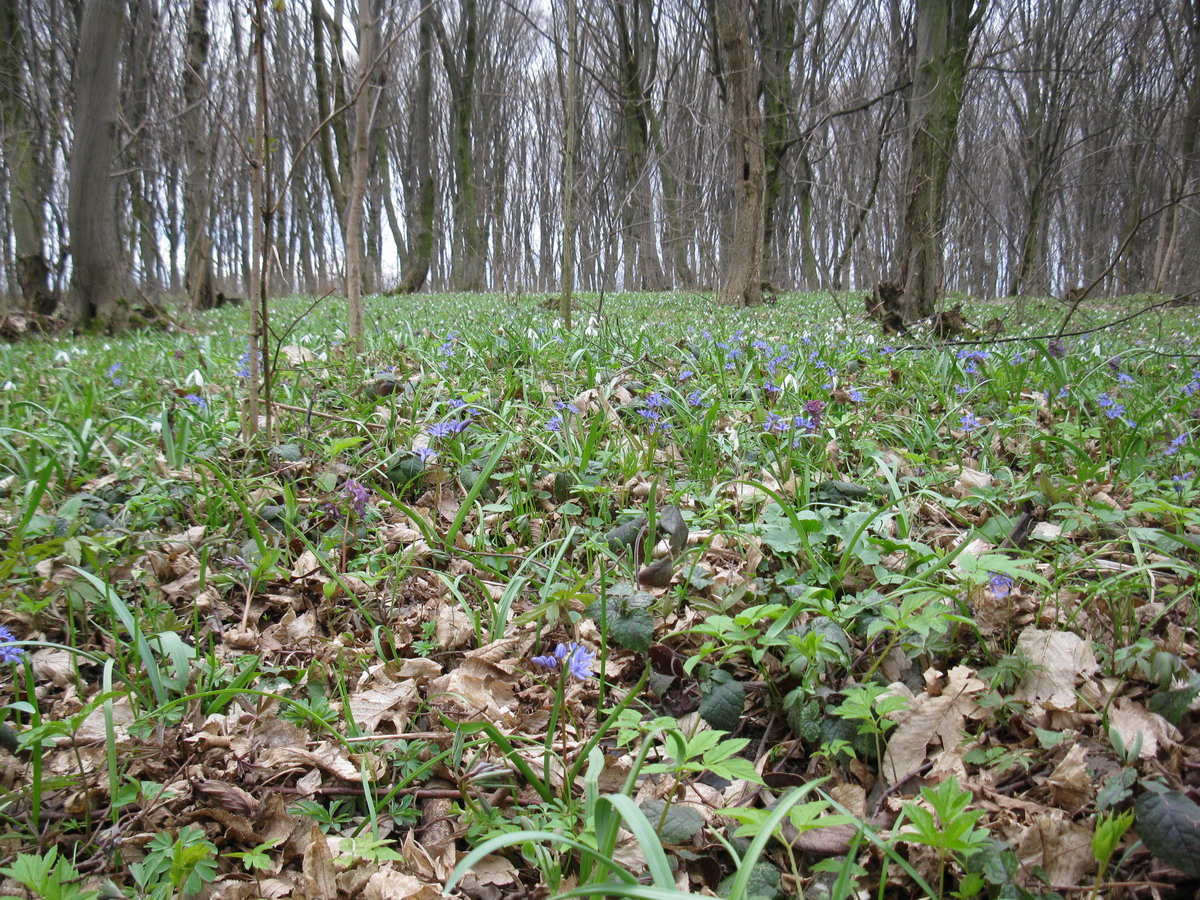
420,243
368,21
26,181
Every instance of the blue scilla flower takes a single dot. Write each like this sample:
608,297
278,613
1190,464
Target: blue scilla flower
1002,585
574,658
8,652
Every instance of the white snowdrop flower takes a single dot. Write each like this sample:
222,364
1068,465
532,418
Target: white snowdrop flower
106,347
531,334
789,382
155,427
61,358
8,386
194,378
1096,351
323,356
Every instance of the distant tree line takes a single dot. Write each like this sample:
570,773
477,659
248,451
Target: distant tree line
995,147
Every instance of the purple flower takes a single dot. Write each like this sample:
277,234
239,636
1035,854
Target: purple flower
969,422
771,388
575,658
440,430
761,345
8,652
696,398
1125,378
555,423
112,374
804,424
1057,348
1180,481
685,375
358,496
856,396
426,453
656,399
198,400
1001,584
814,409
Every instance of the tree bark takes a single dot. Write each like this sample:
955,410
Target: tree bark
99,279
26,178
197,277
420,243
461,58
570,150
743,280
943,39
368,24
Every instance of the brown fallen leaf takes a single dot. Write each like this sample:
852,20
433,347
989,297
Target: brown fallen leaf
1061,659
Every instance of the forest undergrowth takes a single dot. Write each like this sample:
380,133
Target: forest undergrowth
684,600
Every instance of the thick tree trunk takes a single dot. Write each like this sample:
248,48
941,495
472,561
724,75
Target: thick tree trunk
943,39
743,278
99,279
26,181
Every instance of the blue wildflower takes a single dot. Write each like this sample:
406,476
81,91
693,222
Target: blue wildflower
1176,444
426,453
656,399
112,374
198,400
575,658
555,423
856,396
1001,584
685,375
8,652
1180,481
696,398
969,422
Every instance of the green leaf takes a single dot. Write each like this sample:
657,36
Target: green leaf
1117,789
1169,826
763,883
680,824
724,701
286,452
629,621
1173,705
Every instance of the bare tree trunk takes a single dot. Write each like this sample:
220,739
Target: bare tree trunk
943,39
334,142
99,278
570,150
461,60
26,181
197,276
368,23
743,281
420,242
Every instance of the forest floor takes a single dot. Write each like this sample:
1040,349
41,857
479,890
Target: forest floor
682,600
